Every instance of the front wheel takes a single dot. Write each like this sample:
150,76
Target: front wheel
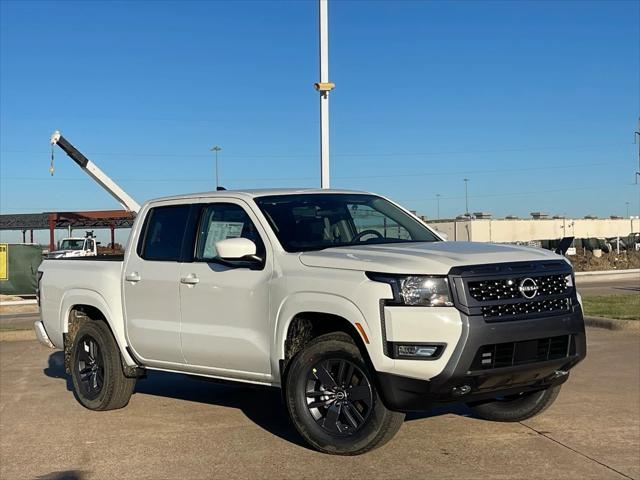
332,399
515,408
98,380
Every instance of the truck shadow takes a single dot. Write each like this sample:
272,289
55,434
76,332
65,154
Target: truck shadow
262,405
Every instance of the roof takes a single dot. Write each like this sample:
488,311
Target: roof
259,192
92,219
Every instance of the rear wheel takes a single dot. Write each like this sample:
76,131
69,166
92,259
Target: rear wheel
98,380
332,399
515,408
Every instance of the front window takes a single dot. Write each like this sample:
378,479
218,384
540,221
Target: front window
315,221
71,244
221,221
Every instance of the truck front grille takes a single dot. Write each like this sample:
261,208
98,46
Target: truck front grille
518,353
508,288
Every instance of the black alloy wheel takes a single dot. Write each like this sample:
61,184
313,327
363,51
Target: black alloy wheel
332,398
339,396
90,367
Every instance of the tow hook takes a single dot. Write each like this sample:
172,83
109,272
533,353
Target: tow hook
460,390
558,374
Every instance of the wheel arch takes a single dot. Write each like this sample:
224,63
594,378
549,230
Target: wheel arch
79,305
304,316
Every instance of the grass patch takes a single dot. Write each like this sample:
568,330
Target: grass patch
623,307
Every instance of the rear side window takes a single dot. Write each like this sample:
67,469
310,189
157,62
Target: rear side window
163,232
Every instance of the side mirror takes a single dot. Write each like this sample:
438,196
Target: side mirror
236,249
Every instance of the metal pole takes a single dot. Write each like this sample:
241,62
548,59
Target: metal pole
52,226
324,87
437,206
216,149
466,196
636,136
627,204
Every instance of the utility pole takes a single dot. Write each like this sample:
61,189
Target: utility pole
636,139
324,86
466,197
216,149
627,204
437,206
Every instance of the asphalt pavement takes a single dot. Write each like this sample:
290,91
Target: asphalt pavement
180,427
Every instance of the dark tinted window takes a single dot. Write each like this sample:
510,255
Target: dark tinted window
322,220
220,221
164,229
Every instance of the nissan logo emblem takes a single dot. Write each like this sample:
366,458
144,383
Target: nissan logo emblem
528,288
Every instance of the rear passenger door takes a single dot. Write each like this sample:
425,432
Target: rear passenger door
151,282
225,309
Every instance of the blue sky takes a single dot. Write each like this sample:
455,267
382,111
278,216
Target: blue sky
535,102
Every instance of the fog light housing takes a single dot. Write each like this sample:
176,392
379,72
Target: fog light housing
417,352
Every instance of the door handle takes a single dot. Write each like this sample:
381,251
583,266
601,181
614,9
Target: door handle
132,277
190,279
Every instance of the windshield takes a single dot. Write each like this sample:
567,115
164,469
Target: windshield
316,221
71,244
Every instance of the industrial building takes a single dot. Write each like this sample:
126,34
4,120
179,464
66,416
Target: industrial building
481,227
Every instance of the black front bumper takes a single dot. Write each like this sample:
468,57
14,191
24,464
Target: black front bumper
408,394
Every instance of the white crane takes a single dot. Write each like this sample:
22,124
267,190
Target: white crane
94,172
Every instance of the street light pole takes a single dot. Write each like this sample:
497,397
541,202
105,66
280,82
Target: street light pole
216,149
324,86
437,206
466,196
627,204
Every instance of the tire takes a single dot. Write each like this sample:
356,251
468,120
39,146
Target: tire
516,408
332,400
96,369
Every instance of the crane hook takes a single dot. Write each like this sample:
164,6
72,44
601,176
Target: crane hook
51,169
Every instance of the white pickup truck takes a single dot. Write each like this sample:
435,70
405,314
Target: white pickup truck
76,247
345,300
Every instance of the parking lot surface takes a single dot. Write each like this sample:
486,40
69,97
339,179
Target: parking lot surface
181,427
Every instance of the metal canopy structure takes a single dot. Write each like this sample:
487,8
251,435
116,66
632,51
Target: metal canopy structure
24,222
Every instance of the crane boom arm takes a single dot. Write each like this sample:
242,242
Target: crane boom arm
94,172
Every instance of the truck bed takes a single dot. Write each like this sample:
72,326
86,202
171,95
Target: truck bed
67,282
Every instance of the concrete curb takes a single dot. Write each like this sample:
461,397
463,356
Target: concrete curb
18,302
17,335
608,275
612,324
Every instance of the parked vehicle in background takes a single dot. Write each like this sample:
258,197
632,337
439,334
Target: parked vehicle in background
71,247
345,300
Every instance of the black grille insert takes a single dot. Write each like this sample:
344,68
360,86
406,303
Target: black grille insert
508,288
495,312
518,353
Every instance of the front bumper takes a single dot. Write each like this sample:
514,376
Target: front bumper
462,380
41,334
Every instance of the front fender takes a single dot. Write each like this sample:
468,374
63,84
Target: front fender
317,302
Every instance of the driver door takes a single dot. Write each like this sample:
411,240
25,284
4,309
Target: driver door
225,326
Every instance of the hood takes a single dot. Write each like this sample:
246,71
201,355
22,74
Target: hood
433,258
64,252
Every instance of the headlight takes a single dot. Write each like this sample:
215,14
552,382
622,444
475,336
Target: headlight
417,290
